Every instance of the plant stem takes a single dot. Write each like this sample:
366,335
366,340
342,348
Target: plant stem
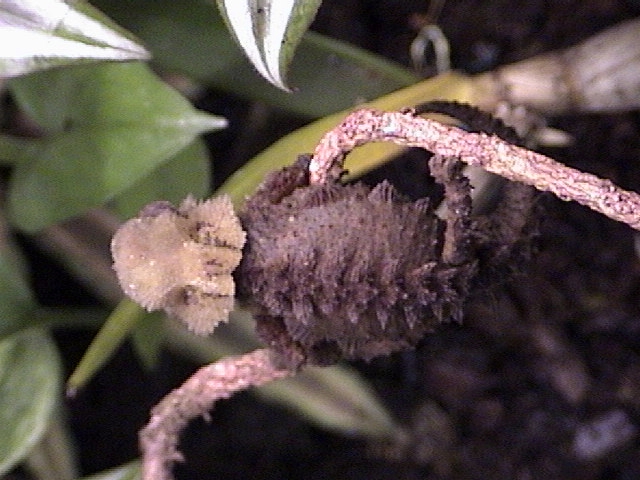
487,151
195,397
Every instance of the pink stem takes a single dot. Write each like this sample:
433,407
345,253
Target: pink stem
487,151
195,397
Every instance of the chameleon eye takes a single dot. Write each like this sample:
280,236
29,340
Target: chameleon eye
181,260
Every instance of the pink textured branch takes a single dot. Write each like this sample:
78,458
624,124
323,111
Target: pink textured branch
487,151
195,397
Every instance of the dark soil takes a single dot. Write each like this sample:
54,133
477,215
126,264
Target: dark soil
542,381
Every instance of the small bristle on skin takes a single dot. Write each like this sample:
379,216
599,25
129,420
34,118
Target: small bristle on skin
204,313
218,220
331,261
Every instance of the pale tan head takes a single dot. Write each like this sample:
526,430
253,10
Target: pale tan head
181,259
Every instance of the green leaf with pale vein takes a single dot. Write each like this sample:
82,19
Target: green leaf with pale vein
269,31
186,173
40,34
108,126
190,37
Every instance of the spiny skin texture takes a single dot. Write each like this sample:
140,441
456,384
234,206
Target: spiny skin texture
181,259
344,271
475,119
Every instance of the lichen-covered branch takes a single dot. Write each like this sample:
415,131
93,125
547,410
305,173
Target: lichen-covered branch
194,398
487,151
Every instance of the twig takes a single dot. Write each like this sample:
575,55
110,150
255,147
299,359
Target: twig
487,151
194,398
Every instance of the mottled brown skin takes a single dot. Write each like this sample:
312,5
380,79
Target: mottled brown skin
347,271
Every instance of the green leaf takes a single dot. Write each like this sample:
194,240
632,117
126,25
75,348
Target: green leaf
18,307
187,173
14,149
39,34
109,126
148,338
29,387
269,31
336,398
190,36
129,471
115,330
16,299
54,457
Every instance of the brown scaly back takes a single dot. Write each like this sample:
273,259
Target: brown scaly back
344,270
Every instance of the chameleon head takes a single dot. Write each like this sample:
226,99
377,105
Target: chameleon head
181,259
